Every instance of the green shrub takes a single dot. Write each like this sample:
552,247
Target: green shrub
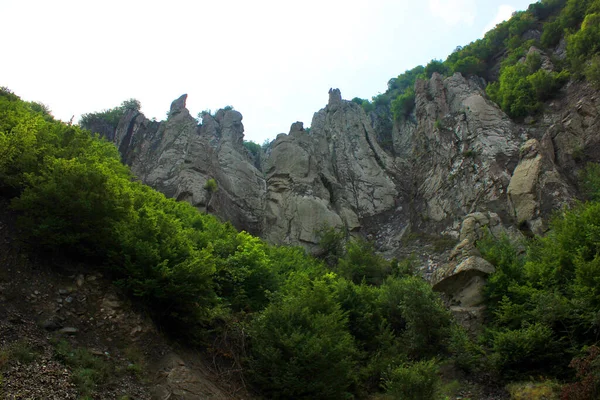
436,66
508,261
360,262
403,105
416,381
552,34
470,65
585,43
416,314
301,348
253,148
592,72
332,245
245,279
111,116
529,349
467,355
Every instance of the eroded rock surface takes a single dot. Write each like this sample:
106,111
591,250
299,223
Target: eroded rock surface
457,154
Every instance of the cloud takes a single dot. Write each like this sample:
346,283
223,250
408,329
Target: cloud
454,12
504,12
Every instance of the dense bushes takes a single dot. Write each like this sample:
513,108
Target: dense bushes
543,304
111,116
416,381
524,86
301,346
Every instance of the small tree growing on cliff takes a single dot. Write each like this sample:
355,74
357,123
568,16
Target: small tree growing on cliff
211,187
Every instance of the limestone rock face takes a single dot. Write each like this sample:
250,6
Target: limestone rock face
536,185
333,176
458,151
178,156
456,155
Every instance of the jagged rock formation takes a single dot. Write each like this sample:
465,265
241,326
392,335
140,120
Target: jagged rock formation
179,156
457,154
333,176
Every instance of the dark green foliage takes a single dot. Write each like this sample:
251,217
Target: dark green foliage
467,355
436,66
509,262
253,148
403,105
111,116
406,80
586,42
417,314
543,304
592,72
470,65
332,244
246,277
522,87
364,103
361,263
589,178
529,349
552,34
414,381
301,347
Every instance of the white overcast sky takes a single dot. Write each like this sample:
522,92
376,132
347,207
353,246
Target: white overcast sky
274,61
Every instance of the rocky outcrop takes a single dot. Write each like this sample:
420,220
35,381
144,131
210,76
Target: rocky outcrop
462,278
178,156
466,147
457,154
333,176
536,187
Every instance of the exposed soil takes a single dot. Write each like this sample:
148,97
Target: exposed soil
49,316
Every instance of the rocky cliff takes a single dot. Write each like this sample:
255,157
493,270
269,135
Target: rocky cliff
457,153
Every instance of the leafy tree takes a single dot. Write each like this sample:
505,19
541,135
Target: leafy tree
112,116
552,33
361,263
403,105
436,66
470,65
416,313
415,381
301,348
586,42
253,148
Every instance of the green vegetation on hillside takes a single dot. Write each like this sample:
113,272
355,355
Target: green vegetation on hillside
325,328
111,116
544,301
522,84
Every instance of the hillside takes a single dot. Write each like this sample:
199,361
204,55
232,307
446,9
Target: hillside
437,241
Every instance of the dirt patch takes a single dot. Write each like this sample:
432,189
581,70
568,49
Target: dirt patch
71,334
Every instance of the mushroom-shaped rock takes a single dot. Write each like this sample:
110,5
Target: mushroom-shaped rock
464,283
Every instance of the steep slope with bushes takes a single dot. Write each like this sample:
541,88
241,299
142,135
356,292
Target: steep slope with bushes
292,325
501,137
